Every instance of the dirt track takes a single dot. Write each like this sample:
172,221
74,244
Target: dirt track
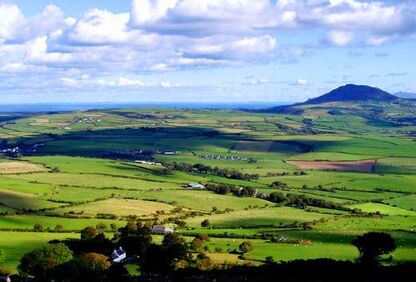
359,166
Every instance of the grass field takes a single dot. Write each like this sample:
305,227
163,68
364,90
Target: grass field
277,216
89,169
383,209
16,244
119,207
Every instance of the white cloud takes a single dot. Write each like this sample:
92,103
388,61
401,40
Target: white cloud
375,41
231,48
148,11
98,27
374,18
86,82
257,81
37,52
122,81
200,18
11,19
301,81
340,38
170,35
14,67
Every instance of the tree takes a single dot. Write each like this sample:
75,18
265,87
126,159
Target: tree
205,223
88,233
172,254
197,245
59,228
269,260
372,245
101,226
135,238
113,226
277,197
95,262
175,247
38,227
203,237
246,247
41,261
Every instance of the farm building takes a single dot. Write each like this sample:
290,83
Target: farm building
160,229
147,162
195,185
5,278
118,255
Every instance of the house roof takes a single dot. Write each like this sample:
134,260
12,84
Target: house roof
195,184
118,252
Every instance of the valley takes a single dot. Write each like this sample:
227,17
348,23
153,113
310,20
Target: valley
336,176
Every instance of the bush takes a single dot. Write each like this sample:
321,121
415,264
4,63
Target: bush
95,262
88,233
38,227
269,260
246,247
205,223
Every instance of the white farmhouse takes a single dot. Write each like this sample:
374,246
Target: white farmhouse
118,255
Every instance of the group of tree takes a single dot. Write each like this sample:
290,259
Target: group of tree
228,188
86,259
72,260
205,169
302,201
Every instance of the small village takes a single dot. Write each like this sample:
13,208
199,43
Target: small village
227,158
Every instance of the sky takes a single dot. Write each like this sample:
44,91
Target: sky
54,51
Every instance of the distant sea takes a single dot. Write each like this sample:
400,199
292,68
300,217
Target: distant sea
64,107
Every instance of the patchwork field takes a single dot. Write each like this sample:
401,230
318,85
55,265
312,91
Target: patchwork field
360,166
335,177
19,167
119,207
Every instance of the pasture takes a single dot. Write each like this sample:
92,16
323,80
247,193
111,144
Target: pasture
347,166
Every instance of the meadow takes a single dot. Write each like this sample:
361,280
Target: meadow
76,169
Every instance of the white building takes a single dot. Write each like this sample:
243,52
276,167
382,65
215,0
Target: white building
195,185
160,229
118,255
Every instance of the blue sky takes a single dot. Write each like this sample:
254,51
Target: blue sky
202,50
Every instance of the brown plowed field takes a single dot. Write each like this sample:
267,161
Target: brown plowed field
359,166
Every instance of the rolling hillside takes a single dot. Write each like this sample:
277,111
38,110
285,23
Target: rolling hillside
357,100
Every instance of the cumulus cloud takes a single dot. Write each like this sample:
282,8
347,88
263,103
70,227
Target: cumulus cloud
199,18
100,27
37,52
340,38
11,19
167,35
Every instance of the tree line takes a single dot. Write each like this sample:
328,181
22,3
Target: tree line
86,259
205,169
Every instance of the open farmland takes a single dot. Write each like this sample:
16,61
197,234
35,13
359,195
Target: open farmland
138,163
19,167
360,166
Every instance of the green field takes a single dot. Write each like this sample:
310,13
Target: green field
78,174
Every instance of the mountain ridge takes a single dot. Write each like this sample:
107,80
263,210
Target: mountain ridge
346,94
353,92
